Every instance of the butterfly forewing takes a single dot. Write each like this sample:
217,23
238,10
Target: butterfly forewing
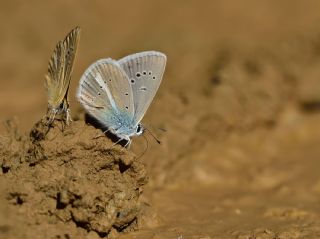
60,68
105,92
145,71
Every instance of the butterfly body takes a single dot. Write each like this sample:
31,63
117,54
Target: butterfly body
118,93
63,108
123,124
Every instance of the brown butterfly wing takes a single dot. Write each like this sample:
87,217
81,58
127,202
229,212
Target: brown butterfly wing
60,69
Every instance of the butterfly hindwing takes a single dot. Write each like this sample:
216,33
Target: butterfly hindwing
105,92
145,71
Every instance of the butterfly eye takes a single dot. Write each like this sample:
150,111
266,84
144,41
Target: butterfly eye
132,81
144,72
139,129
126,93
138,74
154,77
143,88
150,73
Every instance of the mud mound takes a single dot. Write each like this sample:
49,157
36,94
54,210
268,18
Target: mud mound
70,182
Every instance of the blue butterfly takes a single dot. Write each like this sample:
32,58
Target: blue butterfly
118,93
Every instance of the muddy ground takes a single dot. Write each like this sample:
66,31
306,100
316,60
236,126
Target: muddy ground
240,102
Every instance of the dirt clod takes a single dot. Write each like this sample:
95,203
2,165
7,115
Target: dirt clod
72,177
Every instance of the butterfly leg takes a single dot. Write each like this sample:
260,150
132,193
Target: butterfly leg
118,141
66,110
51,114
68,117
104,132
128,144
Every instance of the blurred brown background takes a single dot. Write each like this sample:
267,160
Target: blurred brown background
189,32
240,100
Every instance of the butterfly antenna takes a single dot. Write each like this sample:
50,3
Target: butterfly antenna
158,128
144,151
162,129
153,136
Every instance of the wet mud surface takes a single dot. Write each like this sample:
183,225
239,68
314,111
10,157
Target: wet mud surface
240,103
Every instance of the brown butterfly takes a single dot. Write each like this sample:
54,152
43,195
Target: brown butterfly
58,78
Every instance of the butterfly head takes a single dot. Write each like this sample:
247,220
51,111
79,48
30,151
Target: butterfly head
126,131
57,109
139,129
